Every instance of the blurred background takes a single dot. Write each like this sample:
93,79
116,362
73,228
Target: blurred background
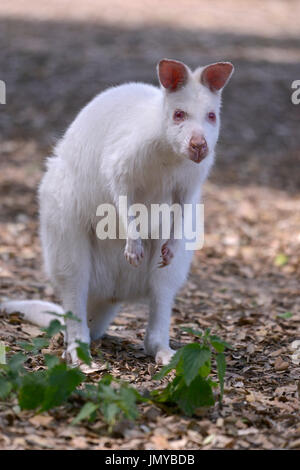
57,54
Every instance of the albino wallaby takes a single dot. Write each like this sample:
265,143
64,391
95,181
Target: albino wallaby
153,145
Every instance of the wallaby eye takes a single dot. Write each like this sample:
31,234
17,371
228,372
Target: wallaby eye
211,117
179,115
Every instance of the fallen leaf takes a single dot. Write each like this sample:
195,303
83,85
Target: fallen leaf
160,442
40,420
280,364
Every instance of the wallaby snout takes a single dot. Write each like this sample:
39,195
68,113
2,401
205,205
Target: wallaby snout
198,148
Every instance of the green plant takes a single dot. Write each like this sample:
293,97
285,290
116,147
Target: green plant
55,383
285,316
39,389
192,388
113,398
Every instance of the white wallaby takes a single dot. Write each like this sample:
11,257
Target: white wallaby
153,145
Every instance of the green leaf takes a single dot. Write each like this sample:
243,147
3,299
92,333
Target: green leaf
212,383
187,398
193,332
110,412
70,316
2,353
61,382
26,345
15,363
193,357
89,392
117,399
51,360
32,391
36,345
167,368
127,402
281,260
107,379
221,366
218,344
86,412
285,316
106,392
83,352
206,333
47,389
5,387
205,370
166,394
197,394
40,343
54,327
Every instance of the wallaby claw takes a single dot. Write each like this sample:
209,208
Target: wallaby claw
134,252
166,255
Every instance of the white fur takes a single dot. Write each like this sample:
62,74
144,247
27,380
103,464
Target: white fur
124,142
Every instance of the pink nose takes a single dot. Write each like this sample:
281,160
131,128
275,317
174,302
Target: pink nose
198,149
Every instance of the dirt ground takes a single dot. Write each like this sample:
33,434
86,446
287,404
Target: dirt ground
57,55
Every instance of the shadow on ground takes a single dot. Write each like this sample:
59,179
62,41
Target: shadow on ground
52,68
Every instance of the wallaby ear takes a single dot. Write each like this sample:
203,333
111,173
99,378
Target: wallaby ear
172,74
215,76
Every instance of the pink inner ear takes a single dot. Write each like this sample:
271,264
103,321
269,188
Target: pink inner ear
215,76
172,75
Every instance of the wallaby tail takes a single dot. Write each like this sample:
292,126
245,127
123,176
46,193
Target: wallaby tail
35,311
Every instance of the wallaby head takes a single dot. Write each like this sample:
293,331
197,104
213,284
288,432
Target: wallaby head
192,106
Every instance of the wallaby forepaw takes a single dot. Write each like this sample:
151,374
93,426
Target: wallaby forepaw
134,252
166,255
163,356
